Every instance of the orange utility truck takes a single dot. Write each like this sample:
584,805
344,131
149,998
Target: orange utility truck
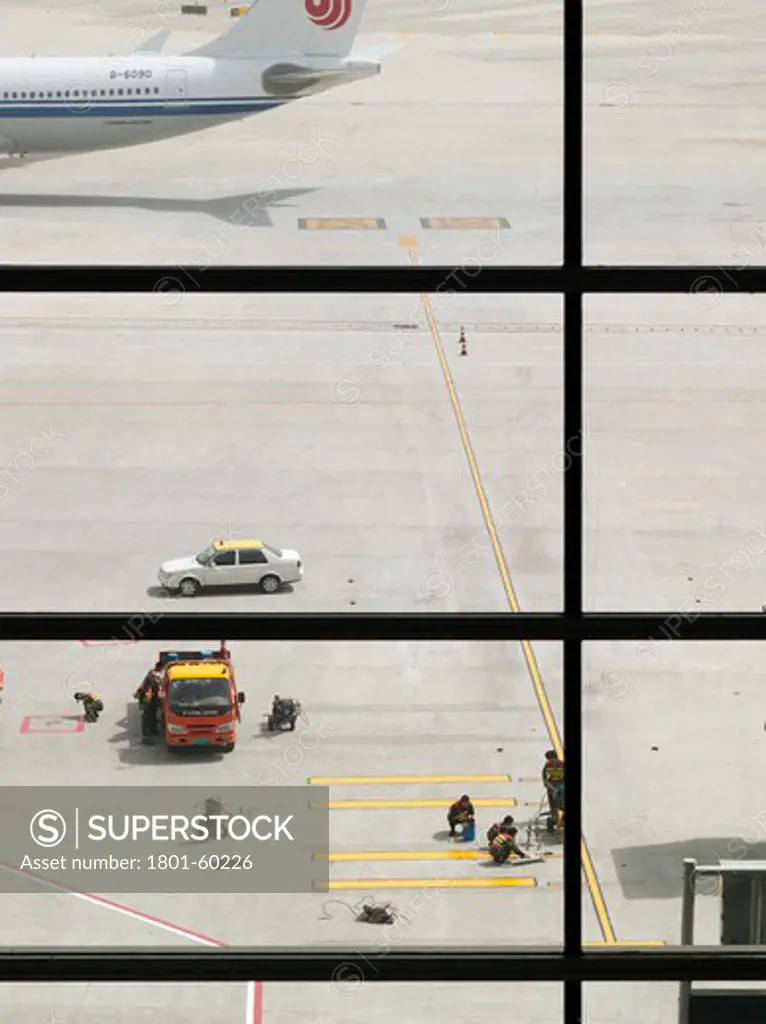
198,702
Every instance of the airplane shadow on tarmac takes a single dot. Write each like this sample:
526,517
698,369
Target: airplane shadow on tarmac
250,589
656,872
131,750
249,210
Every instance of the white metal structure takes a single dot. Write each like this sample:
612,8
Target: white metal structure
280,51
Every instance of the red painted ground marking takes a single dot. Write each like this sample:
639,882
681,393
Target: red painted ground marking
26,725
257,1016
257,1002
199,936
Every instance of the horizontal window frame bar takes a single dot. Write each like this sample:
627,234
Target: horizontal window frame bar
166,965
132,627
554,279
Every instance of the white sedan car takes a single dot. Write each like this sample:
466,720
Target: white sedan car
226,563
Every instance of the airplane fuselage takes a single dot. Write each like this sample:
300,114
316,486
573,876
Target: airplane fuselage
53,106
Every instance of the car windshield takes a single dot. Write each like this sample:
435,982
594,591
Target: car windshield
272,550
199,696
204,557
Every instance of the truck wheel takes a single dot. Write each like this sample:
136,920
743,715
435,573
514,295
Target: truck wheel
188,587
270,584
227,748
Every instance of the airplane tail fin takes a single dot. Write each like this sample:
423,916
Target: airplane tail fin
290,28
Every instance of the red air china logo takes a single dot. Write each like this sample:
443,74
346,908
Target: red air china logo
329,14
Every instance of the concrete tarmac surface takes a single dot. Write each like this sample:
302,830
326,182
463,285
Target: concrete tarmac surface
380,472
133,433
405,723
349,427
671,408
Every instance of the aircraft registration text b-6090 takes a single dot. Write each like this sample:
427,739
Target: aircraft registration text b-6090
132,73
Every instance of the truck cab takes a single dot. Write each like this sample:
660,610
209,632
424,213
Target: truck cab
199,705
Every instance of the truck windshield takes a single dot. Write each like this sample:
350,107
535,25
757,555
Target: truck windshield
204,557
199,696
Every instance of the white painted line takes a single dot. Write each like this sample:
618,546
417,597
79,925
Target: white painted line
253,1014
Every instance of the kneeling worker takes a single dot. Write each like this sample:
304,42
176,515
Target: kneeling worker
504,827
460,813
502,840
91,705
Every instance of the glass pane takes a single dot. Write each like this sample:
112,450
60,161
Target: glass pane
673,485
385,739
631,1003
646,782
275,1003
673,116
441,134
392,473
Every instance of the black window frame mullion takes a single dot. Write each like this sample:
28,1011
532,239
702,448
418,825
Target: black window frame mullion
572,357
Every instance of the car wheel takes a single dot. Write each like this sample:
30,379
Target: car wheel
270,584
188,587
227,749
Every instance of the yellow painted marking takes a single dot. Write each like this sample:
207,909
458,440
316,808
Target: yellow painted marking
597,896
370,805
400,855
343,223
407,241
425,883
463,223
404,35
654,943
396,780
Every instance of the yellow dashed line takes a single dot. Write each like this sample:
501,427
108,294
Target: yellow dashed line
400,780
375,805
343,856
425,883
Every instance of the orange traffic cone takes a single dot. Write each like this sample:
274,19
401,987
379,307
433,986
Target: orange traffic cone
463,346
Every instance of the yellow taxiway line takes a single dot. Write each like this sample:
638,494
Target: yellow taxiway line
424,883
343,856
371,805
632,944
543,700
400,780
